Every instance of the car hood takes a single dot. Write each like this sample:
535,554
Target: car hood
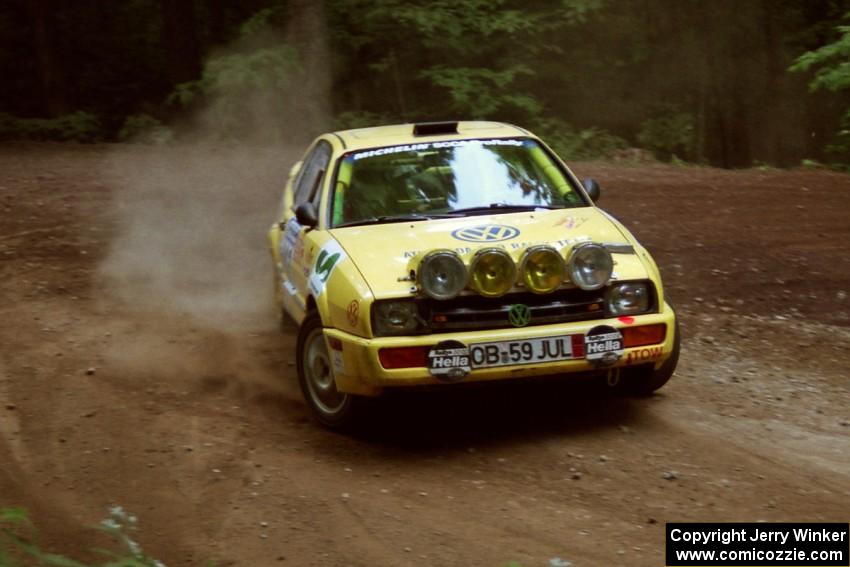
386,253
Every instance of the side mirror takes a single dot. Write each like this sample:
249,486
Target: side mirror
592,188
305,214
295,169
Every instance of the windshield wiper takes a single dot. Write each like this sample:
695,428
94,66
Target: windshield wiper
396,218
502,207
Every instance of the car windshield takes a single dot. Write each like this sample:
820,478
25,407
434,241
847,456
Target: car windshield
450,178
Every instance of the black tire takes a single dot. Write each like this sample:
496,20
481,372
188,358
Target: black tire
333,409
645,381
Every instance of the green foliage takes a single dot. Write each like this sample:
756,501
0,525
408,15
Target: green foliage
14,547
361,119
678,162
669,134
569,143
839,149
259,23
244,88
144,129
233,75
77,127
13,516
832,60
288,67
470,58
483,93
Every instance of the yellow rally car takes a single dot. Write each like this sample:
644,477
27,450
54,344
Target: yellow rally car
453,252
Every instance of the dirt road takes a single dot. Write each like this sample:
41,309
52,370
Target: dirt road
140,366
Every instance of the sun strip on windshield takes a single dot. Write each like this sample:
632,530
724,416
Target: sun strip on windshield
433,146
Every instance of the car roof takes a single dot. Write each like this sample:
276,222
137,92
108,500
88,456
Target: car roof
396,134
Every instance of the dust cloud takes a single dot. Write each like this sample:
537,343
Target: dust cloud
192,216
191,230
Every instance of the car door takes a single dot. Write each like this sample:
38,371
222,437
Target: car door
296,257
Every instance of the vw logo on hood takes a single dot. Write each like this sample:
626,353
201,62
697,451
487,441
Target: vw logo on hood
486,233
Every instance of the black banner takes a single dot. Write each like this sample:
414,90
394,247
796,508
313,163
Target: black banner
758,545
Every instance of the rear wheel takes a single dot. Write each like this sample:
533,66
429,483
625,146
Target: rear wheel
330,407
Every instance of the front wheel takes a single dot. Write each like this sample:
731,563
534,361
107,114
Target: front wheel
332,408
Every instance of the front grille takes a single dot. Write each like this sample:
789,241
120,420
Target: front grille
473,312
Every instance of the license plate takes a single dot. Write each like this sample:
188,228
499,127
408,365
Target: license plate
528,351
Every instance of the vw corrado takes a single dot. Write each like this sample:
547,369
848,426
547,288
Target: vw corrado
455,252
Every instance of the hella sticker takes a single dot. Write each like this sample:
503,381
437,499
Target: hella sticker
603,345
449,361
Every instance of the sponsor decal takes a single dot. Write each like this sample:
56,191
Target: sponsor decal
449,361
407,254
557,243
461,250
288,244
433,145
644,354
571,222
519,315
603,345
337,362
330,255
352,312
486,233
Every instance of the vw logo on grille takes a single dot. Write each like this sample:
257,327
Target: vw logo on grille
486,233
519,315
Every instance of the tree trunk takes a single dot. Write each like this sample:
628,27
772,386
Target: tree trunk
307,31
181,40
50,72
217,21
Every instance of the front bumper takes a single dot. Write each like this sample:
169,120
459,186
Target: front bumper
358,370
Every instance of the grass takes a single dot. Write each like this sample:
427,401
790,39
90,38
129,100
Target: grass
17,550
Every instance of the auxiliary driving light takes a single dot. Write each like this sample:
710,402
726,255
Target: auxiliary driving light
590,266
442,274
542,269
493,272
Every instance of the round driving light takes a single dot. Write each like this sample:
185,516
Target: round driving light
542,269
442,274
493,272
590,266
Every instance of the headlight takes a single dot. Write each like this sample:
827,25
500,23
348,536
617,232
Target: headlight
630,298
493,272
542,269
590,266
395,318
442,274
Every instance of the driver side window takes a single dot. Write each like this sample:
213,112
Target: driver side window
308,186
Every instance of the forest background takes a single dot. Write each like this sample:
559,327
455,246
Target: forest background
725,83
